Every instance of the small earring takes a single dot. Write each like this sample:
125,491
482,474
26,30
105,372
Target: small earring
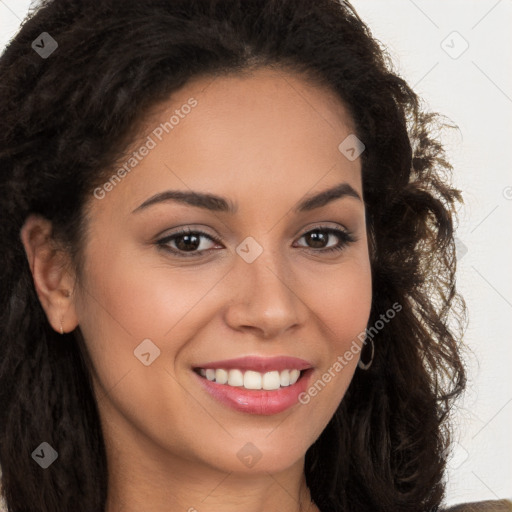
365,366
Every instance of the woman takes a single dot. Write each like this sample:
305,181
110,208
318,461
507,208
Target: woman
228,264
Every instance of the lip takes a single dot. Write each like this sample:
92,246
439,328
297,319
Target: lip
259,364
257,401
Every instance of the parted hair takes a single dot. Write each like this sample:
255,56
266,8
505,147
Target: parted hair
65,122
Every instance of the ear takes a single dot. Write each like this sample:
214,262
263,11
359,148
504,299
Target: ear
53,280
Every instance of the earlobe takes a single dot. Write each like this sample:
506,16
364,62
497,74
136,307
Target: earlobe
53,280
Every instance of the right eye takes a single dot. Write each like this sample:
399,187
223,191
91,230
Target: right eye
185,241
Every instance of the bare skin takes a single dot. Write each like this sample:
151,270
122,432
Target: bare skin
265,142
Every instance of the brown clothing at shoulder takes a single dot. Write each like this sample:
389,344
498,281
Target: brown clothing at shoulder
483,506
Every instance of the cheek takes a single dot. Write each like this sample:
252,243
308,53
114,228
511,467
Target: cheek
132,299
127,300
139,299
124,301
345,301
342,310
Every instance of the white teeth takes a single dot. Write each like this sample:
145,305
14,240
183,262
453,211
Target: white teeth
285,378
221,376
294,375
235,378
250,379
271,380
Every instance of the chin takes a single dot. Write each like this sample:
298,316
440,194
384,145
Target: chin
261,454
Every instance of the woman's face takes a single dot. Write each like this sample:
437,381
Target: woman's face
259,282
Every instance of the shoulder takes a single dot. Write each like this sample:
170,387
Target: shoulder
483,506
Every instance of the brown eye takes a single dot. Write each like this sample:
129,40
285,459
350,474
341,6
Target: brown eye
185,241
188,243
318,239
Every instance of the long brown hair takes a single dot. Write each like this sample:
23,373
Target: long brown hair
64,121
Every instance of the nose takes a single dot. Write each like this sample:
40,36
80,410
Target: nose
264,297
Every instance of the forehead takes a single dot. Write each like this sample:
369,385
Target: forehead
268,131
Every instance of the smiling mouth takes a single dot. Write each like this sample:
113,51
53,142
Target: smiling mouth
252,380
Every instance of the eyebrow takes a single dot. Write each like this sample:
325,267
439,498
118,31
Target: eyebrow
220,204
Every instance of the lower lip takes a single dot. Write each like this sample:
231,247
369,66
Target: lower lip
257,401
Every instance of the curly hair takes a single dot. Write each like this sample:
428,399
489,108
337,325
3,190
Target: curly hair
66,120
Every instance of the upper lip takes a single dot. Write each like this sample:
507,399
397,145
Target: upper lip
259,364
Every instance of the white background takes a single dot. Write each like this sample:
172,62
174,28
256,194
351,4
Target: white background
474,90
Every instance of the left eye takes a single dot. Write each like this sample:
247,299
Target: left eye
317,235
188,241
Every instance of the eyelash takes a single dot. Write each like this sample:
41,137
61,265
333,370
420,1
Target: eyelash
345,237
